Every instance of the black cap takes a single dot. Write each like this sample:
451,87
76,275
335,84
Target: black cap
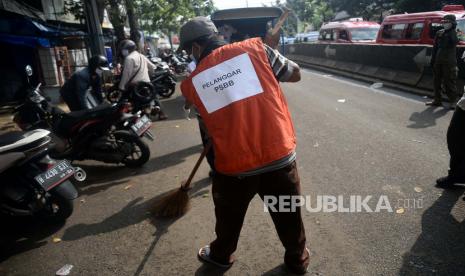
196,28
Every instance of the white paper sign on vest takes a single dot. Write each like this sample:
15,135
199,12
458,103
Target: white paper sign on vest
230,81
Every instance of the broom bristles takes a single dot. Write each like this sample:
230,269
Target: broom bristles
174,204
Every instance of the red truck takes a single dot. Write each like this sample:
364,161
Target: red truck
354,30
419,28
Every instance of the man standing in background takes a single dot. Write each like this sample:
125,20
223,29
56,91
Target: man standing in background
444,62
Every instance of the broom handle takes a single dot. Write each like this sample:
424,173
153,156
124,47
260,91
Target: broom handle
272,37
187,184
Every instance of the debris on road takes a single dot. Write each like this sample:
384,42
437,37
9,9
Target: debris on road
56,240
83,200
177,126
377,85
400,211
65,270
341,100
316,145
128,187
418,189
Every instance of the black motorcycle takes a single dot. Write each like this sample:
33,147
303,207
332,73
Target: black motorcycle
32,182
163,78
89,134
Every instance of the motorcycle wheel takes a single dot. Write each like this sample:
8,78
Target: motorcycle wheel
168,92
58,208
140,151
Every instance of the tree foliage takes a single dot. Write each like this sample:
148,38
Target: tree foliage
168,15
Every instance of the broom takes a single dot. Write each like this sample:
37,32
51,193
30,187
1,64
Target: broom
176,203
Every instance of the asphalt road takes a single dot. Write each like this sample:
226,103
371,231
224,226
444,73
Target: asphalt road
352,141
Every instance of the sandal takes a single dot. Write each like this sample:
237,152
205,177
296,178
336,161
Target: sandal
204,255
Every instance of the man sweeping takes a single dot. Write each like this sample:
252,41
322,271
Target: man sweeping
235,88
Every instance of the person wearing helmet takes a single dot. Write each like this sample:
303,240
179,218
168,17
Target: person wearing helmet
136,69
235,89
444,62
83,90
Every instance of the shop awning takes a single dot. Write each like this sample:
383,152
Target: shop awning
28,41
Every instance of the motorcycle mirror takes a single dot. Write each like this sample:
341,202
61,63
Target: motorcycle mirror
28,70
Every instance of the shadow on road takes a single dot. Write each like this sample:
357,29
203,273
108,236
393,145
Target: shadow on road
173,108
162,225
426,118
209,270
18,235
439,250
134,212
103,177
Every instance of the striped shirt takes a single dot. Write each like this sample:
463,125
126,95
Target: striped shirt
282,67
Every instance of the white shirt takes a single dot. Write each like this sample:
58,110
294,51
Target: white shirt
132,63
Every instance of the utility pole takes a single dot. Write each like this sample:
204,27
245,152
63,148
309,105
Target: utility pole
94,28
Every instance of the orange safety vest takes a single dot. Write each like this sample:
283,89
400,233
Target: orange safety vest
243,107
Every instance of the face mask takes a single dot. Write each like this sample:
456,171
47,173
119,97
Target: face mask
448,26
124,52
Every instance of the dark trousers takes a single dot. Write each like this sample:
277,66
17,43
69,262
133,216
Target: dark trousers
445,78
232,196
456,144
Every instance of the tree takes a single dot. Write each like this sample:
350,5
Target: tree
167,16
424,5
368,9
132,19
313,12
117,16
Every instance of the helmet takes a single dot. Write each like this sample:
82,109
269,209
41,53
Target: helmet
98,61
127,44
449,17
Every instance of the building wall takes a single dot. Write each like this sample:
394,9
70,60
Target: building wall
49,66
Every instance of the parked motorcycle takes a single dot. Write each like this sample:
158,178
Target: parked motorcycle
142,97
88,134
176,63
32,182
163,79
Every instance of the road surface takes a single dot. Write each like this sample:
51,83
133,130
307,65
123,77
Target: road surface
352,141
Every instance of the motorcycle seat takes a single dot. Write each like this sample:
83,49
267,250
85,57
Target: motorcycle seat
9,159
69,120
10,137
22,139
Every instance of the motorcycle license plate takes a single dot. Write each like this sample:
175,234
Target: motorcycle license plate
54,176
141,126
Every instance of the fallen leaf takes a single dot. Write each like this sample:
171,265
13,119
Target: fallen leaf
56,240
128,187
341,100
400,211
206,195
418,189
65,270
377,85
